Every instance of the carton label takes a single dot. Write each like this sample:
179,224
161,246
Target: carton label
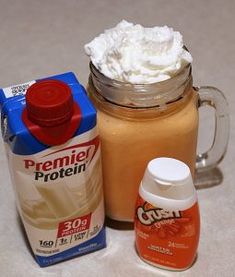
60,194
17,89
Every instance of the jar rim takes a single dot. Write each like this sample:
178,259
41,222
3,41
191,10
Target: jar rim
141,95
119,83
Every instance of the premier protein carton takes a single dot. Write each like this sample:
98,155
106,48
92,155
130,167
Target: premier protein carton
53,151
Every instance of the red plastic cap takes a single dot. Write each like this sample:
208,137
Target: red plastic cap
49,103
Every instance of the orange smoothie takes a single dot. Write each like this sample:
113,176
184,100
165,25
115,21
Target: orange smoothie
131,137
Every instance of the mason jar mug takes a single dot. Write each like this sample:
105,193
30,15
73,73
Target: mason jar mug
139,122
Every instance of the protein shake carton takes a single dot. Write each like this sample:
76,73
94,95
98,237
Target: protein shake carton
53,153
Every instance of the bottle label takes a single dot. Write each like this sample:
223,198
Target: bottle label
167,238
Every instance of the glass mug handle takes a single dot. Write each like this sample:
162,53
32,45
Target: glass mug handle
213,97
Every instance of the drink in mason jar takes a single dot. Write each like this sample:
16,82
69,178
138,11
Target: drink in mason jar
141,84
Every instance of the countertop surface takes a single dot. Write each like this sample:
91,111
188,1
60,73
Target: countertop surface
43,38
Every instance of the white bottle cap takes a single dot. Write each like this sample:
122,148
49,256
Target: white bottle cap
168,182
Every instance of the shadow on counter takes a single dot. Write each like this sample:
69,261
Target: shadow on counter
119,225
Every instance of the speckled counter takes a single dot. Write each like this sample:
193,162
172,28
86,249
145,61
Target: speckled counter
43,38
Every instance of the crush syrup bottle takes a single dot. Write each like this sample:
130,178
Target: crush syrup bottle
53,153
167,219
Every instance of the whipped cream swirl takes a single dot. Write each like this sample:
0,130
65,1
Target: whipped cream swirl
138,55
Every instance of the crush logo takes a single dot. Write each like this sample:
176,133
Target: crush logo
152,215
63,163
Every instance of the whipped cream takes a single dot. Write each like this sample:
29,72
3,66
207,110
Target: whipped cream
135,54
